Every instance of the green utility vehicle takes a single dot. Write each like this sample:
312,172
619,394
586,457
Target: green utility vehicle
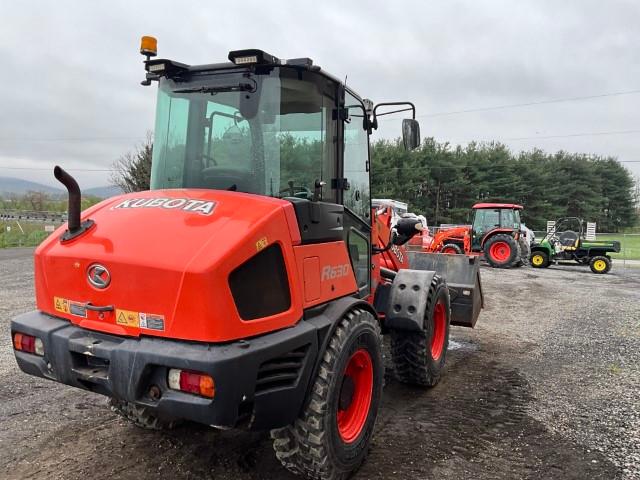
566,242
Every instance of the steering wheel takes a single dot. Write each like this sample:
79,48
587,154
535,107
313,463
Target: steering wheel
208,158
298,191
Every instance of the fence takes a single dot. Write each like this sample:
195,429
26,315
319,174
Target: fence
26,231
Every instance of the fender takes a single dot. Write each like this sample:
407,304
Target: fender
408,300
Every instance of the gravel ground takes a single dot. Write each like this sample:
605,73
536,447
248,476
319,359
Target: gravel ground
546,386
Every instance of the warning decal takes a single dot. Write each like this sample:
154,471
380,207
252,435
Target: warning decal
151,321
127,318
261,244
63,305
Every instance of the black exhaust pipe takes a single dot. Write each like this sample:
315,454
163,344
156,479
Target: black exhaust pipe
75,227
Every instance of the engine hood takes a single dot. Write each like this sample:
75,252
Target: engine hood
165,256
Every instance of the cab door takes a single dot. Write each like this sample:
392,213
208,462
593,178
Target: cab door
356,196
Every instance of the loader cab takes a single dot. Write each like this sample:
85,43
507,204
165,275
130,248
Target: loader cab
265,126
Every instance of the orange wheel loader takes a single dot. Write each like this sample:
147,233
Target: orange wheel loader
250,287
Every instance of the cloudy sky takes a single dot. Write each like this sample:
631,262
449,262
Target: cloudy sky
70,92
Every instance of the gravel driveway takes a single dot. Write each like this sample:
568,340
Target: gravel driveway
546,386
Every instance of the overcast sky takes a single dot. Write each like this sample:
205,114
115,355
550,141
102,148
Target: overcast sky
70,91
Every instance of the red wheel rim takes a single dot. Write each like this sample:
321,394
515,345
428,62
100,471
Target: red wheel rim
355,396
500,251
449,250
439,329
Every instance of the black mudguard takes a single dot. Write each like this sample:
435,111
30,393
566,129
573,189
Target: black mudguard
407,303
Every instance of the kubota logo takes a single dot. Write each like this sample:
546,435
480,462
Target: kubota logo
330,272
98,276
203,207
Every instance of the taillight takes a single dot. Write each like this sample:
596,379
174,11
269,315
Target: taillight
191,382
28,343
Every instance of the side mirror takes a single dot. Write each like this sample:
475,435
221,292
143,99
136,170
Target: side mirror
410,133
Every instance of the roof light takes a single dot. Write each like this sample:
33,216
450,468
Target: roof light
149,46
245,60
300,62
252,57
156,68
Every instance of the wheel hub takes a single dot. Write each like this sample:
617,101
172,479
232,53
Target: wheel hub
439,330
346,393
500,251
356,392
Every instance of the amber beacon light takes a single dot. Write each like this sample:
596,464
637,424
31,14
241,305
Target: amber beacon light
149,46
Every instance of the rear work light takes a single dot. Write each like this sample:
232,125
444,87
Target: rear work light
28,343
191,382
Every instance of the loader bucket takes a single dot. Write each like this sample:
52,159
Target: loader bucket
462,274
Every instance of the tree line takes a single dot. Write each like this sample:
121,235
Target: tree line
443,181
36,201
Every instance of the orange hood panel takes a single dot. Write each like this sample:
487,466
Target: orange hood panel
168,254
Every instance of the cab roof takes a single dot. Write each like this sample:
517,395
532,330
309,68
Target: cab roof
498,205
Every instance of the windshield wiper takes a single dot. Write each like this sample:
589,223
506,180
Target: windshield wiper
240,87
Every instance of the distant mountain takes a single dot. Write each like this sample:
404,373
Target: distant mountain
103,192
20,187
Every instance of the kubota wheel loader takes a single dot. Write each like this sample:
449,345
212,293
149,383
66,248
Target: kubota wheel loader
250,286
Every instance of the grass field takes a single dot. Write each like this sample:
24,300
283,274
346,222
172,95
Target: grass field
629,244
23,234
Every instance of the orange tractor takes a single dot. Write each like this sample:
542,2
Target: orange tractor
250,287
494,231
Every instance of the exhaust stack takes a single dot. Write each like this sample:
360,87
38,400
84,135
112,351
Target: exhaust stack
75,226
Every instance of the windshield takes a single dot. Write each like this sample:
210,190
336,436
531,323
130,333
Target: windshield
269,134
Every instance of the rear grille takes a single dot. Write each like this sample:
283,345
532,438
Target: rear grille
281,372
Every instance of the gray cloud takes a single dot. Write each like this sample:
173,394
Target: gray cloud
71,70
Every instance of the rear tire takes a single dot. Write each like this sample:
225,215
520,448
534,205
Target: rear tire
451,249
330,439
419,357
600,264
140,416
539,259
501,250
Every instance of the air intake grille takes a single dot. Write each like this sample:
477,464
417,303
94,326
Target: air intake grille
281,372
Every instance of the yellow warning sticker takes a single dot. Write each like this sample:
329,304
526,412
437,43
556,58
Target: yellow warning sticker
127,318
261,244
61,304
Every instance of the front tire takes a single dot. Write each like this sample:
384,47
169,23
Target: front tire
539,259
140,416
419,357
451,249
600,264
331,437
501,250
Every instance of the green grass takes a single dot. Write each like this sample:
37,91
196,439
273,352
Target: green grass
629,244
31,234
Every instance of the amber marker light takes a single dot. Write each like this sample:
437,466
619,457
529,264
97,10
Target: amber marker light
149,46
